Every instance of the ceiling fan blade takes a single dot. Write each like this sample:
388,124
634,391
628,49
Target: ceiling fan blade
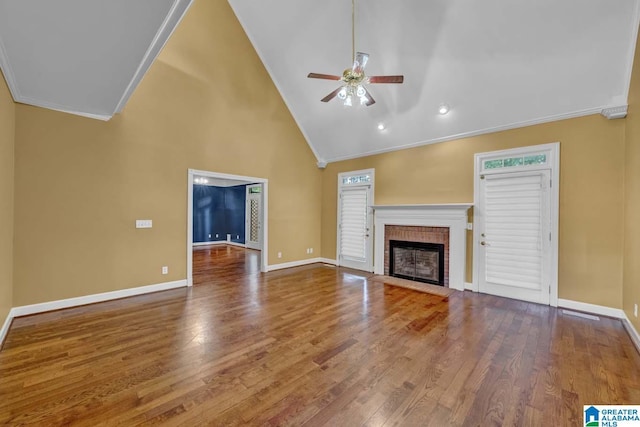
331,95
370,100
323,76
386,79
359,62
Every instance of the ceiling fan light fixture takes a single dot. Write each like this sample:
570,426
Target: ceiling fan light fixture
443,109
381,126
354,78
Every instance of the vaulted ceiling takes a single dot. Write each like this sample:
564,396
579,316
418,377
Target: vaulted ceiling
496,64
82,57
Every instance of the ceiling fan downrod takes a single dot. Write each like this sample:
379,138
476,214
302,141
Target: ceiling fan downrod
354,78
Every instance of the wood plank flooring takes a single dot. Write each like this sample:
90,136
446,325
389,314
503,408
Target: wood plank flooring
310,346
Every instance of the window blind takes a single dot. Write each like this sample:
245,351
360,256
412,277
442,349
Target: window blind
353,223
514,231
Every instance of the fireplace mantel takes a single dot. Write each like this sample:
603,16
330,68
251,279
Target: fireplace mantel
454,207
452,215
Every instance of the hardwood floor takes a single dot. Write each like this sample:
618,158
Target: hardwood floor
224,262
315,346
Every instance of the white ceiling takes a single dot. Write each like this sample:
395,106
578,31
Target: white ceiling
82,56
498,64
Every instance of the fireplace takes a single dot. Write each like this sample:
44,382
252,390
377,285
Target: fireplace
445,224
415,237
419,261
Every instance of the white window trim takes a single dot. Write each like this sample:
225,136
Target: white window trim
552,150
371,184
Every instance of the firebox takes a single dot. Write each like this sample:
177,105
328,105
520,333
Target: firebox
423,262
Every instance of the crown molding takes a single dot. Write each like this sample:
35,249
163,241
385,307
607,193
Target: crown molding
612,113
9,76
277,84
170,23
62,108
632,49
509,126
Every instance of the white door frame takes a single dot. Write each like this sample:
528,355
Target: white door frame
552,151
371,184
264,259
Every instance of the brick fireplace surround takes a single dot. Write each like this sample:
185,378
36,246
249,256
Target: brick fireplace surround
412,233
452,217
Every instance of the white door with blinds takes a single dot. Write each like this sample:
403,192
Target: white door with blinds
515,241
355,248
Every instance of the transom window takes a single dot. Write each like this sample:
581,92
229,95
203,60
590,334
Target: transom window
510,162
356,179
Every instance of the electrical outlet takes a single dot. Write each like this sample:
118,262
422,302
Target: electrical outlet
279,254
635,310
216,236
165,269
310,250
144,223
237,236
469,226
210,236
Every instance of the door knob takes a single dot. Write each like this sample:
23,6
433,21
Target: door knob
483,243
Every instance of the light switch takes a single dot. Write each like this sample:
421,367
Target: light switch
144,223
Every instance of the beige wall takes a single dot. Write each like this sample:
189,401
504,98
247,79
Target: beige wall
591,194
207,103
7,133
631,289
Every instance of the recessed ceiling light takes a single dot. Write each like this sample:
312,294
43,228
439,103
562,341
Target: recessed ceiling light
381,126
443,109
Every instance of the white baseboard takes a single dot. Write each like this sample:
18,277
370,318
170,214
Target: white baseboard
328,261
633,333
468,286
219,242
214,242
26,310
299,263
591,308
241,245
5,328
604,311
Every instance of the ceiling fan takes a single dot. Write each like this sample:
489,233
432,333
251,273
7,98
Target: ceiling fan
354,78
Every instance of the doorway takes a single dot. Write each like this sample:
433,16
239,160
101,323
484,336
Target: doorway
262,230
516,223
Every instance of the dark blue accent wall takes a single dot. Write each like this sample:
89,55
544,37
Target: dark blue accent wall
218,210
